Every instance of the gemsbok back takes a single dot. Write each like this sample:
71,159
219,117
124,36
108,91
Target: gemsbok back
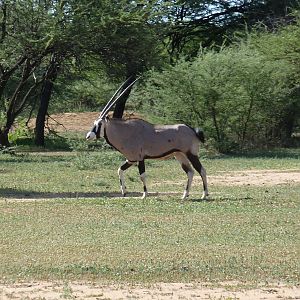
138,140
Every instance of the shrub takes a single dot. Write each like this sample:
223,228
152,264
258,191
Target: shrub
236,95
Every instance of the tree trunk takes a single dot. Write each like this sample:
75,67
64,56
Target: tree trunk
4,131
120,105
4,138
42,112
286,128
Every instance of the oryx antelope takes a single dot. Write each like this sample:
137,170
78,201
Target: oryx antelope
138,140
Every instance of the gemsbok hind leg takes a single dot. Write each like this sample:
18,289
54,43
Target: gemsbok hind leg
186,166
201,170
141,166
121,170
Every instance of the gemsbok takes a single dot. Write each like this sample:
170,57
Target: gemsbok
138,140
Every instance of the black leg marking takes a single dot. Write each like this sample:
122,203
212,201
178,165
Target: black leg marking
121,170
141,166
126,165
197,165
195,161
186,169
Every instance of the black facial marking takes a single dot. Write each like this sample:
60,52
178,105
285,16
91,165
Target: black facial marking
98,131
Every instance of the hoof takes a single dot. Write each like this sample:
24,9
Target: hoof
184,197
204,196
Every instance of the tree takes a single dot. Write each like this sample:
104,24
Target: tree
45,95
132,46
212,22
43,37
284,45
228,92
28,39
21,53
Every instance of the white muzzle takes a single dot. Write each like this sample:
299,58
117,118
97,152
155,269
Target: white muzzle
90,135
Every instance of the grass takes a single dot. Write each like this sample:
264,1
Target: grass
249,234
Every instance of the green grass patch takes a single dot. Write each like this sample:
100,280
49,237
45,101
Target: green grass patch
244,233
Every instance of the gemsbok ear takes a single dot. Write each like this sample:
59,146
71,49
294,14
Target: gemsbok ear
117,96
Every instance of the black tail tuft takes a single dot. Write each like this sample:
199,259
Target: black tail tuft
200,134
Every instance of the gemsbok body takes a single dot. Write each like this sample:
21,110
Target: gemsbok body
138,140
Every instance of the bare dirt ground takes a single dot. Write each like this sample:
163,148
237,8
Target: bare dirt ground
246,177
92,291
257,177
74,122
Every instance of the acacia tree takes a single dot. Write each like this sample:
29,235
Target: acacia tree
22,51
68,40
229,93
209,22
284,45
133,44
39,37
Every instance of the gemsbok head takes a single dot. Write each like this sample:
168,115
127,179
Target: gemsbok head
138,140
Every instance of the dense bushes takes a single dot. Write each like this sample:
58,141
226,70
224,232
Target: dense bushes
237,95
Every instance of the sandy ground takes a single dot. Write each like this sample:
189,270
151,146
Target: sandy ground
241,178
246,178
76,122
257,177
92,291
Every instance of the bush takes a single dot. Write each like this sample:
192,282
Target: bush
19,131
236,95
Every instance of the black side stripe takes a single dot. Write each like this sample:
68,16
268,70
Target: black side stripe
162,155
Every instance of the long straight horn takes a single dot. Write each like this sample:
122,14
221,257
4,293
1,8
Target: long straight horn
107,108
114,96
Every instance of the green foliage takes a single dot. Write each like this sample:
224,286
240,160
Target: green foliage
87,89
209,22
20,131
229,93
283,45
45,40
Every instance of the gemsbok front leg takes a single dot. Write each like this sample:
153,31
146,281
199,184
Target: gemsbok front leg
141,166
121,170
200,169
186,166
